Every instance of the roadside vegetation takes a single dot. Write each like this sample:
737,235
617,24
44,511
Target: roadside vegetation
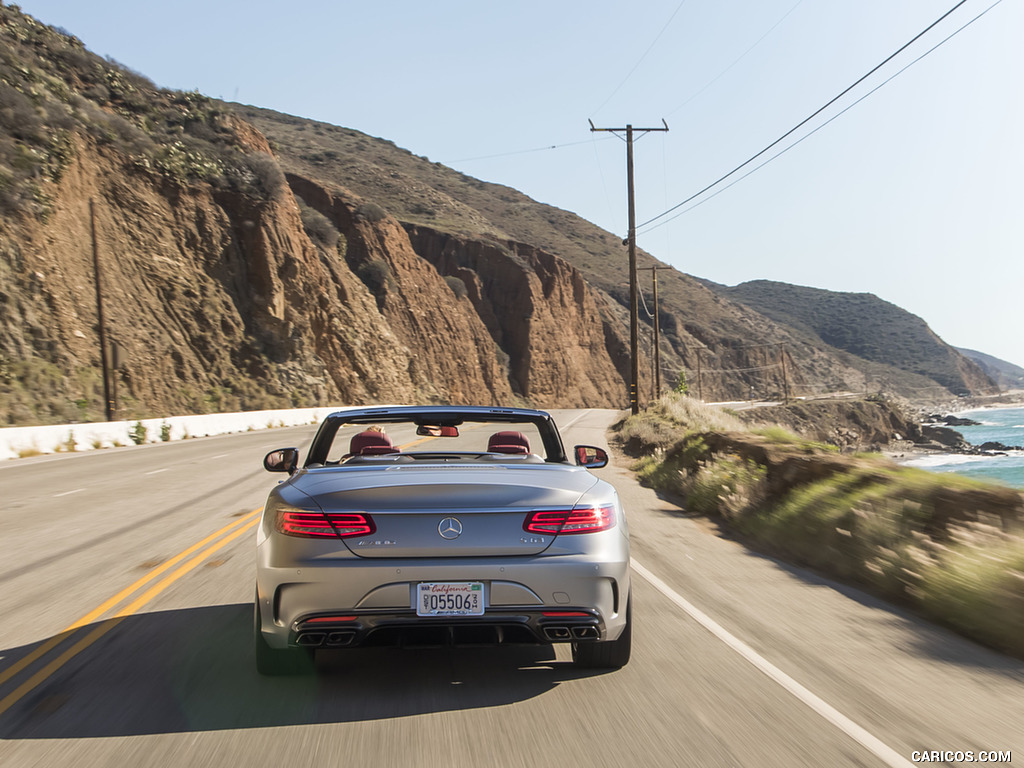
55,94
949,547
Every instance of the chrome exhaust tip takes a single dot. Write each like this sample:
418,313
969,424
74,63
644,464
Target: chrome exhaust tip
341,638
311,639
557,633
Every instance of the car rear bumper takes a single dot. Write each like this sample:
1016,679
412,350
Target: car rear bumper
370,602
406,629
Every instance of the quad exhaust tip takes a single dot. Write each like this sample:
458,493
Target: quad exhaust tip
328,639
344,637
562,634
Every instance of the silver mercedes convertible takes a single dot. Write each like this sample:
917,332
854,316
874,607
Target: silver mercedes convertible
440,525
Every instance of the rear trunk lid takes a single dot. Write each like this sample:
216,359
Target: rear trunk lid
448,510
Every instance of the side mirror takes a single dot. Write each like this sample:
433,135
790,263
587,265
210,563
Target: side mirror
282,460
590,456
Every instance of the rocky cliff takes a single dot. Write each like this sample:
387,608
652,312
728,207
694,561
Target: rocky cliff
217,300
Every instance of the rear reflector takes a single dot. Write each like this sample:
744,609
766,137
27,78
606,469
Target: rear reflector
564,614
565,521
316,525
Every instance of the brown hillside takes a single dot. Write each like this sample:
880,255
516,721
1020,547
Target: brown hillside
368,275
740,347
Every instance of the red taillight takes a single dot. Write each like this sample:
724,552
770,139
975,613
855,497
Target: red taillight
565,521
349,524
315,525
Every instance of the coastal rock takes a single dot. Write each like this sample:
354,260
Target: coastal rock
957,421
944,436
997,446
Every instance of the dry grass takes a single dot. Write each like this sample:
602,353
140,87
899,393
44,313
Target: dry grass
663,423
873,524
977,586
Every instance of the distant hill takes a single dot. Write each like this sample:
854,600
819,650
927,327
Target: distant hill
866,326
1006,375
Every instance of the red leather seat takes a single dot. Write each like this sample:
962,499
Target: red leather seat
371,444
508,442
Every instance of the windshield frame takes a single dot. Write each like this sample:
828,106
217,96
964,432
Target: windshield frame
440,415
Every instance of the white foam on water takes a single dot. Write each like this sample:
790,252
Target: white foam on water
943,460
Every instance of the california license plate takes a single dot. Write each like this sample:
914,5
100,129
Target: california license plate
461,598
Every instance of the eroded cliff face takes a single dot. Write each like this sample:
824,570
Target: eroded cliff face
451,355
564,347
219,300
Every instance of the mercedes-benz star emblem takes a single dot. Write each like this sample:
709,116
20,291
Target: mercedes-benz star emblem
450,528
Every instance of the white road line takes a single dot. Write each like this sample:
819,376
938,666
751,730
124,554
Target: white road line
220,456
564,427
882,751
157,471
67,493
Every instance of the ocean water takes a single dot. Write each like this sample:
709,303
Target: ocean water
1003,425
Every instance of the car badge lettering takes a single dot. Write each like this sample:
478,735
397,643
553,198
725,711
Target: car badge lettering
450,528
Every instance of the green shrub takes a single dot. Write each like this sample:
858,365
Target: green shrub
370,212
457,285
681,386
781,436
165,432
138,434
376,275
319,228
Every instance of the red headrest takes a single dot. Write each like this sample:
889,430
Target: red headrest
371,444
508,442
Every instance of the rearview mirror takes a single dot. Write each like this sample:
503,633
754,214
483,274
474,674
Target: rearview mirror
282,460
431,430
590,456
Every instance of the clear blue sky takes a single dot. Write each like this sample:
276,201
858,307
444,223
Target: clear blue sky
915,194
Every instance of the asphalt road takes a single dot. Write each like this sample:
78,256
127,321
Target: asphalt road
126,581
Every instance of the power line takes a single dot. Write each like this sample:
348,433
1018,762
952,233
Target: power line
740,58
810,117
641,61
741,370
839,114
524,151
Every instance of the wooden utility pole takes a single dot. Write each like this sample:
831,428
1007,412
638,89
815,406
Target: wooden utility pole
657,330
629,130
108,400
785,377
700,387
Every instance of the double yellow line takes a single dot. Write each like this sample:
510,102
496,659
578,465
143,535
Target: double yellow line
189,560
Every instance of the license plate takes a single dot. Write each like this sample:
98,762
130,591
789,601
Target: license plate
463,598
